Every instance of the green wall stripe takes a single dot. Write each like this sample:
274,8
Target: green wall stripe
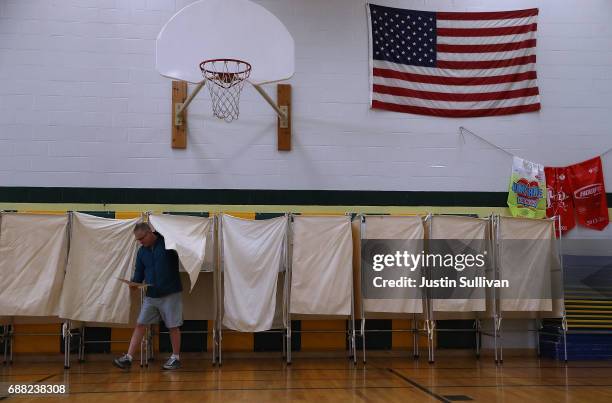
251,197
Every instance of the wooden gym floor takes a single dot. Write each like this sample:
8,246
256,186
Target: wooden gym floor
323,380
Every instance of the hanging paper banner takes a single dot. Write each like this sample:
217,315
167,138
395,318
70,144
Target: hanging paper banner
589,193
560,201
527,190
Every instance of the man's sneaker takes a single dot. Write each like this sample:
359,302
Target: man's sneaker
172,363
123,362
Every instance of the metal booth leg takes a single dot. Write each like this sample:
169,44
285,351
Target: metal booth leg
214,347
5,340
147,342
144,349
415,338
349,352
150,350
354,347
354,342
10,341
289,341
351,334
430,340
495,339
144,341
477,326
363,337
564,328
538,326
499,356
81,355
142,353
220,347
67,343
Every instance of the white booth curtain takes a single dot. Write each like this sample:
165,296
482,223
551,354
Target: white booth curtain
322,273
402,228
460,228
252,258
33,252
101,251
186,235
525,267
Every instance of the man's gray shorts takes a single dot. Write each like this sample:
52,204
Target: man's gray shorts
169,308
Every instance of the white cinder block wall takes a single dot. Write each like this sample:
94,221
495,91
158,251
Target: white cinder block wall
82,105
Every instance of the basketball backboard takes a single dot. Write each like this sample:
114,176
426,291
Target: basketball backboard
234,29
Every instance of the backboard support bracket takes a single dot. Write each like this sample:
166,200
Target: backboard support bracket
180,107
283,110
180,103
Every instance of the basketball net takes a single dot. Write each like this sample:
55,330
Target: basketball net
225,79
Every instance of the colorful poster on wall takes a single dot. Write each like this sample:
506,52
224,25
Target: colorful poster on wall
559,196
589,193
527,189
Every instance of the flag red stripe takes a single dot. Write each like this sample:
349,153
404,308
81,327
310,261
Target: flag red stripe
520,29
495,15
487,64
445,96
420,78
499,47
455,113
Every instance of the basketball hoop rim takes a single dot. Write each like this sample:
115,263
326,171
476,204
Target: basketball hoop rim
244,71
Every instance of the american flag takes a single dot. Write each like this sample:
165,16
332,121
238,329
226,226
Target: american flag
453,64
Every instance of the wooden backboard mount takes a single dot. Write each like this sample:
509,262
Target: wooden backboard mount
180,101
179,131
283,98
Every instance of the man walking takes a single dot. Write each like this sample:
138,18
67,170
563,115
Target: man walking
159,268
